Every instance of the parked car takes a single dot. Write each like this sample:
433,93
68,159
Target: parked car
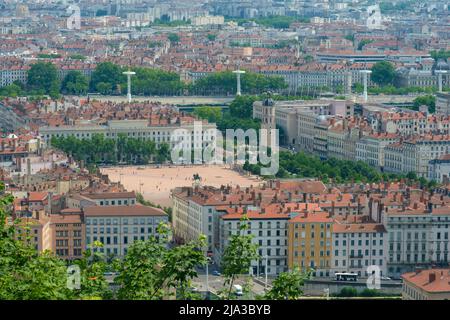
216,273
238,290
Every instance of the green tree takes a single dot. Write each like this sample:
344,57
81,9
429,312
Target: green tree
383,73
348,292
427,100
152,270
212,114
106,77
24,273
163,153
288,285
211,37
238,255
77,57
225,83
173,37
441,54
364,42
75,83
43,78
149,81
104,87
242,106
93,285
12,90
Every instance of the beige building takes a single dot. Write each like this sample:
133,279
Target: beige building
63,234
370,149
117,227
342,138
139,129
298,119
207,20
418,152
443,103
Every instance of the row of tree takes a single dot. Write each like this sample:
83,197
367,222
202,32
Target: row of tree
152,269
239,115
301,165
220,83
100,150
108,78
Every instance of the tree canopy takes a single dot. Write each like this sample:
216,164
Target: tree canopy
383,73
224,82
75,83
107,77
43,79
98,149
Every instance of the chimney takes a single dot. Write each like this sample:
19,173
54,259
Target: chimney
431,277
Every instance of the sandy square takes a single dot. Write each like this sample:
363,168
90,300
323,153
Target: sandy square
155,182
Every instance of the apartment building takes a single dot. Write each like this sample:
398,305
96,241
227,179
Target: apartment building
431,284
443,103
125,198
268,226
301,121
117,227
356,246
418,151
342,138
29,230
140,129
310,242
394,158
370,148
64,234
10,72
410,123
439,169
418,237
195,211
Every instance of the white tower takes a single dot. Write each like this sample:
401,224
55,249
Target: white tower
440,73
129,74
238,79
348,86
366,74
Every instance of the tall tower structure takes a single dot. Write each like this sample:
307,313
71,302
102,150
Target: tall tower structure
129,74
366,74
268,120
238,73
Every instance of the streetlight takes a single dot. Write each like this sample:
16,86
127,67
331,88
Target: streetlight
207,274
265,273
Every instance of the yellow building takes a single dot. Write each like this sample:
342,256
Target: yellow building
310,242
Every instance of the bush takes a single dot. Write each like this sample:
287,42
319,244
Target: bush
348,292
